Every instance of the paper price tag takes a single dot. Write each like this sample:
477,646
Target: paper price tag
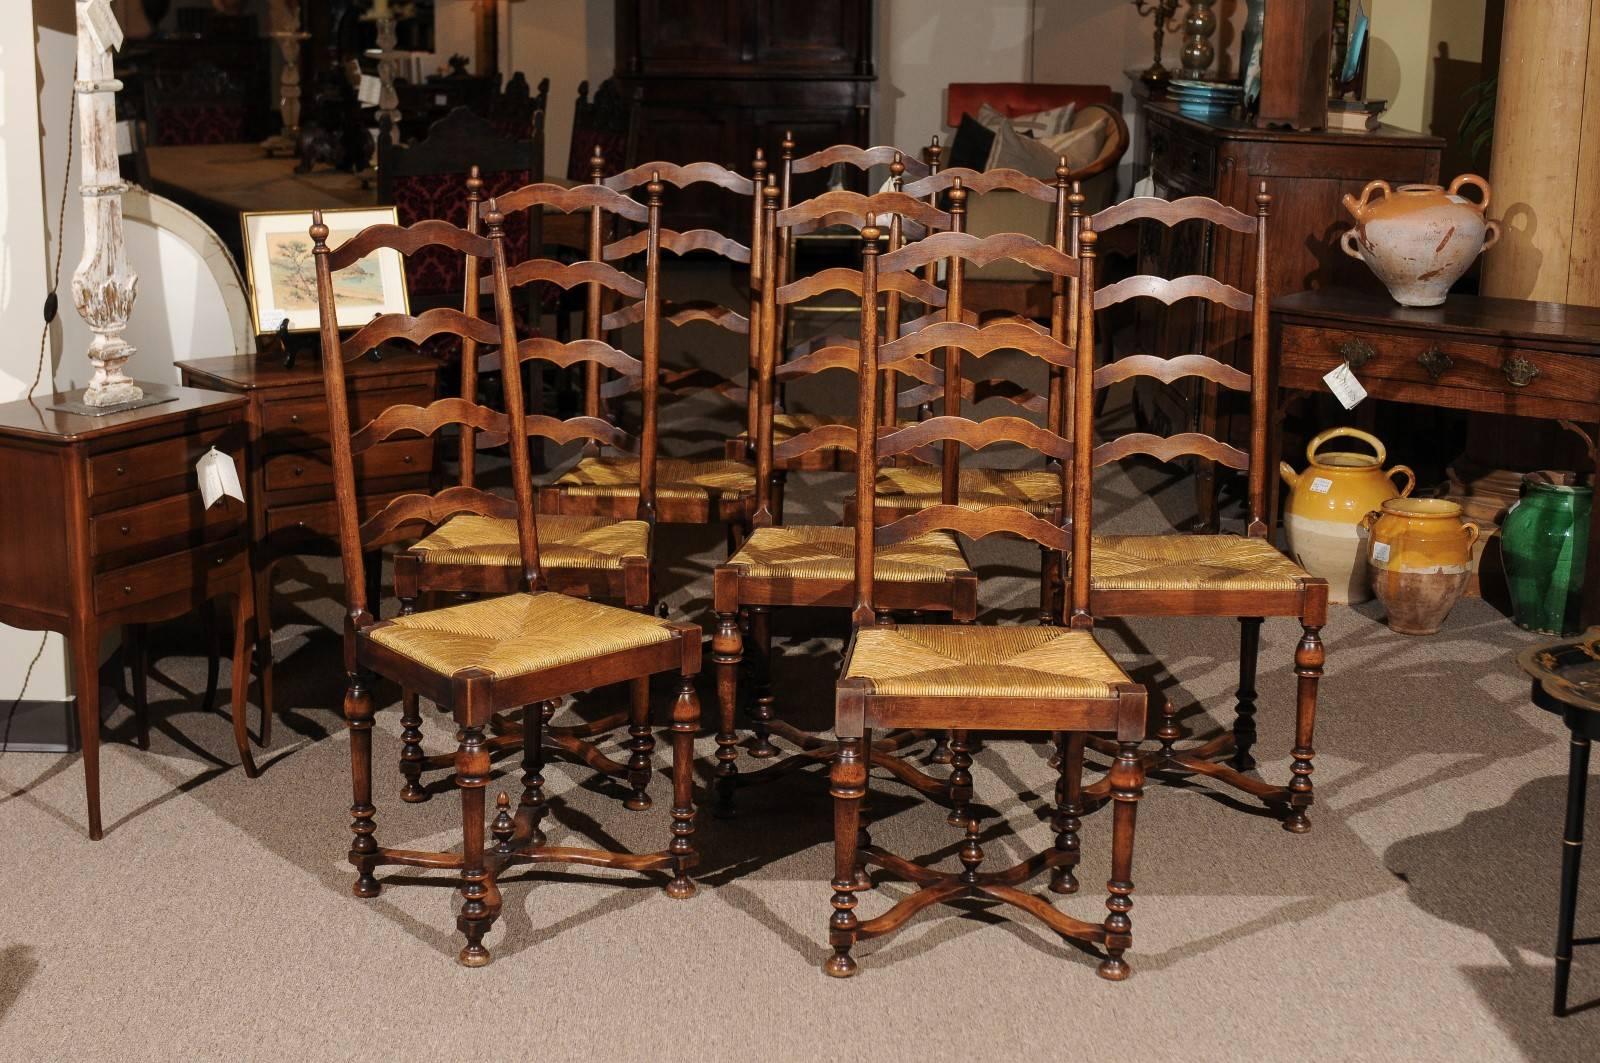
369,91
1321,485
125,137
1344,385
1380,551
103,24
218,477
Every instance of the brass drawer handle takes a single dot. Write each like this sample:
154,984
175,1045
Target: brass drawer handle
1436,362
299,470
127,588
407,458
122,470
1519,371
1356,353
294,418
125,529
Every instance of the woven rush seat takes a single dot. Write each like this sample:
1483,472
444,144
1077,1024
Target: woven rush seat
824,553
917,487
983,662
1181,562
518,634
789,425
676,478
565,542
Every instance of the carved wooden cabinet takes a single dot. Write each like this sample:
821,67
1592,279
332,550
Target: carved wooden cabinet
290,474
715,80
104,528
1307,174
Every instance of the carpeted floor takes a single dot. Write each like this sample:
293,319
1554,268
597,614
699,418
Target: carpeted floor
1415,921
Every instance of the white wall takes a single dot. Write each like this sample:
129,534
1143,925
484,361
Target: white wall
924,45
1407,37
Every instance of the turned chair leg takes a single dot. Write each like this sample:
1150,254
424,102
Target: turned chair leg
685,724
642,742
1127,785
848,786
531,807
761,708
940,753
1308,661
863,836
727,650
960,783
1244,721
1069,811
363,847
413,792
479,896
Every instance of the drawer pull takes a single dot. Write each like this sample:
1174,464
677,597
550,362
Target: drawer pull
299,470
125,529
1356,353
219,561
1519,371
407,458
294,418
127,588
122,470
1436,362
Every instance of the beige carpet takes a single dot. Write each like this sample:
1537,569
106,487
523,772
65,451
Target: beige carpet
1415,921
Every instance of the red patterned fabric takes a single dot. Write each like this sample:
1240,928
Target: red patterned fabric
204,123
437,271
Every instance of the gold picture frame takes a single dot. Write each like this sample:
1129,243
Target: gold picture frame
281,272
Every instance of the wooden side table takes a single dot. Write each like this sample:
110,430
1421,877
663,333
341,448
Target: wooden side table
105,527
289,487
1507,356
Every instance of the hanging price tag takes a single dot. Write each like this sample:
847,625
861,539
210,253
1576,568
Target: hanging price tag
1344,385
218,477
370,90
102,24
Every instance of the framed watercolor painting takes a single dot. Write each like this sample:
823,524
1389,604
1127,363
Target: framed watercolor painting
282,271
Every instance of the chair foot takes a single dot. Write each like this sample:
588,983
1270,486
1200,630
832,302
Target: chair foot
1063,881
413,794
940,754
1296,822
366,885
1113,969
475,955
840,964
682,887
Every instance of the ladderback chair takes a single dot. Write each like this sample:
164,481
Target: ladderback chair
967,678
607,125
485,657
1188,575
787,565
590,557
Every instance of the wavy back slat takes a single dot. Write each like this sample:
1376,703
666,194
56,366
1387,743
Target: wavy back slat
823,437
566,355
982,182
681,176
567,275
1169,448
680,314
441,320
863,209
975,434
844,279
566,430
975,524
978,391
1001,336
575,198
860,158
1173,212
1192,286
408,240
426,420
1168,370
429,511
680,244
981,251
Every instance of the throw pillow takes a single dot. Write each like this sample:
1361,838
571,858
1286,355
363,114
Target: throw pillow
991,118
1049,123
1013,151
1081,146
971,145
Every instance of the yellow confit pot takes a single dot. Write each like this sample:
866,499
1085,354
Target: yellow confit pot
1420,558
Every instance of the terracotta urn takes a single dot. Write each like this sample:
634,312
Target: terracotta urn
1327,503
1419,239
1419,555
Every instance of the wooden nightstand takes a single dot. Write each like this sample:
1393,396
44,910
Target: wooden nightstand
289,486
104,527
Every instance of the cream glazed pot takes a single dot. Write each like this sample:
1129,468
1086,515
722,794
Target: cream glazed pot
1419,239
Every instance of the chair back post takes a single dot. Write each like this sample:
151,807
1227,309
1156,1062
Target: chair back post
468,453
891,302
511,375
785,257
357,615
950,470
763,516
595,294
649,393
1082,518
863,614
759,277
1260,395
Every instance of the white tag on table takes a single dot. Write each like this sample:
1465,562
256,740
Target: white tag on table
369,91
1344,385
218,477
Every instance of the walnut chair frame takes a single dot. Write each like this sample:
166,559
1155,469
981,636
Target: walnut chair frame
590,557
1189,575
461,657
792,567
973,679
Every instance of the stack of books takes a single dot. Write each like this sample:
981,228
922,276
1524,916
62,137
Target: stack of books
1356,116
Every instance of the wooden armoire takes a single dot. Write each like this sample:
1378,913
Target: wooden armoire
716,79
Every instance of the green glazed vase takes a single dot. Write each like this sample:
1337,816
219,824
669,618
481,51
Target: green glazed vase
1543,540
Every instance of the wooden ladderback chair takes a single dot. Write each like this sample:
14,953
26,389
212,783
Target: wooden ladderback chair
688,490
606,125
969,677
1231,575
485,657
787,565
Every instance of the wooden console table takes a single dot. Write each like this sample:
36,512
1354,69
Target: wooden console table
105,527
1505,356
289,486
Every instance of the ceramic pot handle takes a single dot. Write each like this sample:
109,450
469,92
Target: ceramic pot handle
1477,182
1365,523
1357,206
1472,532
1286,473
1352,433
1348,242
1411,479
1491,230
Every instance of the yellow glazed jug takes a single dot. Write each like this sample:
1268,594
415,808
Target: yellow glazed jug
1327,503
1420,558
